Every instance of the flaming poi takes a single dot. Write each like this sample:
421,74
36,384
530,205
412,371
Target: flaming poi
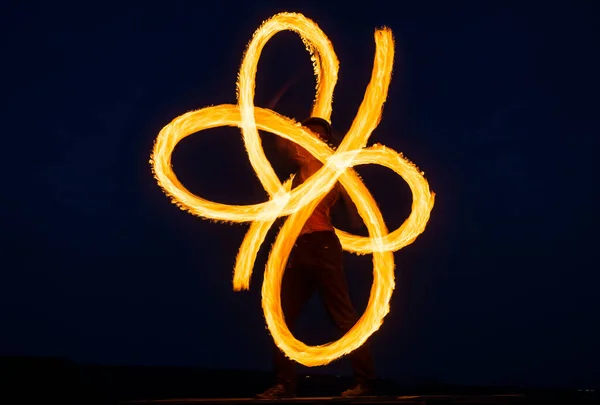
298,204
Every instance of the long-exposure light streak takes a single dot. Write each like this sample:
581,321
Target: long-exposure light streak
299,203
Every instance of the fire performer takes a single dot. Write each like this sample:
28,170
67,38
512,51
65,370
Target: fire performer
316,264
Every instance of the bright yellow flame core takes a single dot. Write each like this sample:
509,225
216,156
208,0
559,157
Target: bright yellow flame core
299,203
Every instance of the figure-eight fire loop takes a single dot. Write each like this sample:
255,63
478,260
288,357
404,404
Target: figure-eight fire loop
299,203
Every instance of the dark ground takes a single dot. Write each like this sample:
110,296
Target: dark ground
41,380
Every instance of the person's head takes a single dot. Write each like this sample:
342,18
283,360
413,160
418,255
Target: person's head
319,126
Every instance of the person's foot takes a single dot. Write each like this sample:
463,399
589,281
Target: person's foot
357,391
277,391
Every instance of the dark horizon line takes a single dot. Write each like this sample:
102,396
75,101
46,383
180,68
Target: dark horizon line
412,380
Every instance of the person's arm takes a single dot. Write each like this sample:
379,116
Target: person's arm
282,144
354,218
285,146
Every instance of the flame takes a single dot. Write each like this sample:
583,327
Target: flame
299,203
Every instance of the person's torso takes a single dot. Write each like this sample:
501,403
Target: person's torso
320,219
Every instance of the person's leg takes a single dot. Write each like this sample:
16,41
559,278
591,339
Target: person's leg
333,289
297,286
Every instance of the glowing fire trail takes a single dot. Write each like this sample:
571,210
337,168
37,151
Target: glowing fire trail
299,203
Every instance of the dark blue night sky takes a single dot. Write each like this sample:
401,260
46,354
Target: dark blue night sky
497,102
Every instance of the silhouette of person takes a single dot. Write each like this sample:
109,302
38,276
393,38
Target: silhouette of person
316,264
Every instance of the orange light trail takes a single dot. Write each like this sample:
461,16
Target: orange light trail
299,203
